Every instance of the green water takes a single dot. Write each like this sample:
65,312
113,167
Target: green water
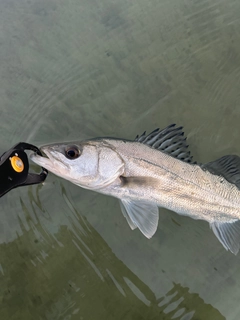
79,69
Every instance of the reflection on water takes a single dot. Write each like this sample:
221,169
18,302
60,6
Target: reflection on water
71,273
81,69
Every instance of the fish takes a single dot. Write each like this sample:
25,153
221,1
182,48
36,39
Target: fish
151,171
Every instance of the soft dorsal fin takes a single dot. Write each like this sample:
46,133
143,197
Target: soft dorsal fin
170,140
227,167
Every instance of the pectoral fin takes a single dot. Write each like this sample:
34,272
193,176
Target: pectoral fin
125,214
228,233
142,215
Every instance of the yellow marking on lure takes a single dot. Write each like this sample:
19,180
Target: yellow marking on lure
17,164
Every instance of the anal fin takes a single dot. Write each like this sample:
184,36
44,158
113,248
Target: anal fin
228,233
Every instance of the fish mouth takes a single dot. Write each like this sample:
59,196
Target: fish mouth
44,160
51,159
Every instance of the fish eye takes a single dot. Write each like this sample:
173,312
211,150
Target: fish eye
72,152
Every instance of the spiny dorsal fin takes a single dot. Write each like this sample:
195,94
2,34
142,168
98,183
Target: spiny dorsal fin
227,167
170,140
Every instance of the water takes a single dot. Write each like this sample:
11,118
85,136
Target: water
81,69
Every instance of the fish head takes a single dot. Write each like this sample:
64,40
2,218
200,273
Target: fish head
90,164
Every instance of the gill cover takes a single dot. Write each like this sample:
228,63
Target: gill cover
98,165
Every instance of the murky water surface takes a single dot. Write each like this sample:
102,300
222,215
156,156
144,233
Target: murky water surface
80,69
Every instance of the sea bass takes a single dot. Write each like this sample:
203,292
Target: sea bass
154,170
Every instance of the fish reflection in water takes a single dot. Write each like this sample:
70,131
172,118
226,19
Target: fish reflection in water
73,274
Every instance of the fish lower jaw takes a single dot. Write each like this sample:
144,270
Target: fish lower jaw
39,160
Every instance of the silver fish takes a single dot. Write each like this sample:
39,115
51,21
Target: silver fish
154,170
